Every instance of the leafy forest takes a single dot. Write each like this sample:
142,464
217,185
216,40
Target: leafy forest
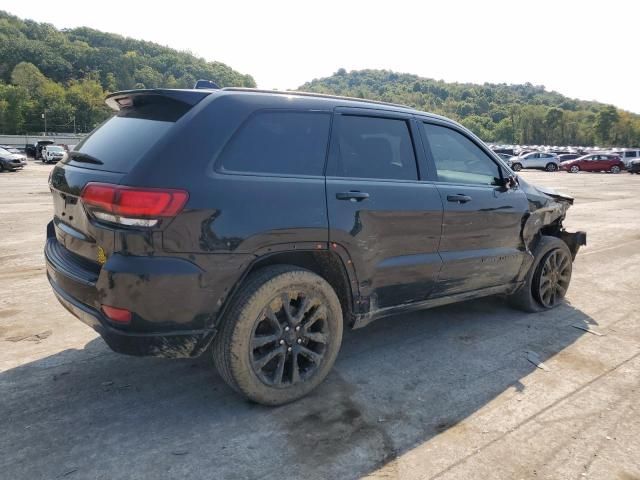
66,74
522,114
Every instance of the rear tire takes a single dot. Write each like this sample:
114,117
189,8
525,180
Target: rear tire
574,169
548,278
516,167
280,336
551,167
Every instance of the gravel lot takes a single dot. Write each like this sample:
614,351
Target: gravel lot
444,393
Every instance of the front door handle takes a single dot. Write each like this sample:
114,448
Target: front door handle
352,195
459,198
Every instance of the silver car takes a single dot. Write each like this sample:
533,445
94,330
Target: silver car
539,160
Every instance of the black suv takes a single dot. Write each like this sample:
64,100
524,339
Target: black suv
255,225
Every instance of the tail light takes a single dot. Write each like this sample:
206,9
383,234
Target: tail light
130,206
117,315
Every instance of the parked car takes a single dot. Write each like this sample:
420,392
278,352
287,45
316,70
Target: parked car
52,153
279,230
30,150
34,150
506,158
11,161
506,151
14,149
594,163
568,156
538,160
633,166
627,155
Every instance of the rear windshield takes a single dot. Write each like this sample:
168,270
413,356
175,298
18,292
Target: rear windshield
120,142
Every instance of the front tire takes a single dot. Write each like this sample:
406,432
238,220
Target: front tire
280,336
615,169
516,167
548,278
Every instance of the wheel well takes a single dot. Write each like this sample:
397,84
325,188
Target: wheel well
324,263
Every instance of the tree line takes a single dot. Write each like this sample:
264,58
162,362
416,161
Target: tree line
514,114
65,74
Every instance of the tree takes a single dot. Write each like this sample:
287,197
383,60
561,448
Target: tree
605,120
27,75
554,121
503,131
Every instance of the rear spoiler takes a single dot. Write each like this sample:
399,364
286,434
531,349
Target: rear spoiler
127,98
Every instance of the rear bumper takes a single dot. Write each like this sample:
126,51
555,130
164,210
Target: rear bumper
161,326
175,345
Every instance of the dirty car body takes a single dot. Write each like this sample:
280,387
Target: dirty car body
166,211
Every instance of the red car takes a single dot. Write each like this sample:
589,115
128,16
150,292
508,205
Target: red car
597,162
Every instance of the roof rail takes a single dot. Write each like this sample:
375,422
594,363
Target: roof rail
312,94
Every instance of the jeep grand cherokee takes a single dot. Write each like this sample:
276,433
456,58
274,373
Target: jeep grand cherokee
256,225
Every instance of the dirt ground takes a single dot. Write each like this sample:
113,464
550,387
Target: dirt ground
445,393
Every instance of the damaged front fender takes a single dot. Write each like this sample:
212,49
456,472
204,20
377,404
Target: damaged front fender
547,211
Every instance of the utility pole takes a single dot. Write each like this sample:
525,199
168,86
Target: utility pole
74,124
44,115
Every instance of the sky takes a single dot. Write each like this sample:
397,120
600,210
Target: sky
582,49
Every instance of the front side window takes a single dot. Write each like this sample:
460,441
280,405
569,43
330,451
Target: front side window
373,147
457,159
282,143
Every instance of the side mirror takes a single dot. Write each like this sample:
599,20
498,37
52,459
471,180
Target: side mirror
508,182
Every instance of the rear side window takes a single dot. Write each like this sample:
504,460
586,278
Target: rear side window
284,143
120,142
373,147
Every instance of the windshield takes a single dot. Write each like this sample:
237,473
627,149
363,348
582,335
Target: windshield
55,149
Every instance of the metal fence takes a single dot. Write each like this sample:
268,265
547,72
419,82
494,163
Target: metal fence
22,140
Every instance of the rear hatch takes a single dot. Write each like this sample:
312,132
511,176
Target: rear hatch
142,119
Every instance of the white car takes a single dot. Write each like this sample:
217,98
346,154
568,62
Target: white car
627,155
539,160
52,153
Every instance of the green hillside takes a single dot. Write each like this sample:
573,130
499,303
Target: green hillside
524,114
68,72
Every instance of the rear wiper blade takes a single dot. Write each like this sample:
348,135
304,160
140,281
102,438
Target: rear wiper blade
84,158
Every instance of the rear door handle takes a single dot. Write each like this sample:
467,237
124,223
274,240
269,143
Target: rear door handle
352,195
459,198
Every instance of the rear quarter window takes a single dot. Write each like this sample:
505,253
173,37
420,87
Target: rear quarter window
279,143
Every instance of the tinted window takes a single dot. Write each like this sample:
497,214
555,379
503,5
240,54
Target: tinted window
630,154
458,159
372,147
292,143
119,143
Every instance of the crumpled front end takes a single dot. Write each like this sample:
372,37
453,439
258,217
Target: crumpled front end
548,210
